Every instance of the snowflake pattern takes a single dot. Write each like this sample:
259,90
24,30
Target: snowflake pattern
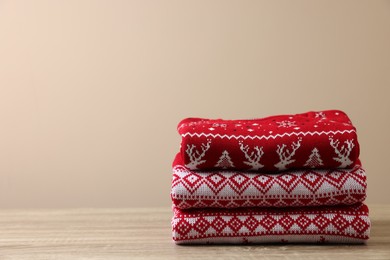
286,123
220,125
320,115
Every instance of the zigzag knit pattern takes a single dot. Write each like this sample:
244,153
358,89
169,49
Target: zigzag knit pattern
230,189
280,179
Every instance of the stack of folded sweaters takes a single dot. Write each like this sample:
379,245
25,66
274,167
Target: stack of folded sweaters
287,178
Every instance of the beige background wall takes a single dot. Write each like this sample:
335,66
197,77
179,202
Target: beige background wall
91,91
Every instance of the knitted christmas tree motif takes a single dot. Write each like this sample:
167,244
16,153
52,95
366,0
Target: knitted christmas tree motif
225,161
314,159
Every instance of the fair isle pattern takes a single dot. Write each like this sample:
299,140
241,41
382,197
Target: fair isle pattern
280,179
270,144
223,189
343,224
266,137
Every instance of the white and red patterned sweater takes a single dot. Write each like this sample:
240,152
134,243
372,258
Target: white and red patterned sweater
294,188
337,224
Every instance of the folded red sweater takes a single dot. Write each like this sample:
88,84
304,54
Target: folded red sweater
324,139
337,224
294,188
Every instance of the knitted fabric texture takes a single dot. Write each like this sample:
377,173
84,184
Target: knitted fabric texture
280,179
338,224
233,189
324,139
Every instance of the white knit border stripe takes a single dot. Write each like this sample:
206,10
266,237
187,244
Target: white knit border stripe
266,136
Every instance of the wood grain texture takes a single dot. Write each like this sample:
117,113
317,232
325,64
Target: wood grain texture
146,234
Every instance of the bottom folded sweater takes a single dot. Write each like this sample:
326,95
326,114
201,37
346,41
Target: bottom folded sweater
336,224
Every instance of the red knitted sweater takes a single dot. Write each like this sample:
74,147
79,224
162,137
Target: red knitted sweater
323,139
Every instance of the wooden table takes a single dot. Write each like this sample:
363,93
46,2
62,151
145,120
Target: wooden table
145,233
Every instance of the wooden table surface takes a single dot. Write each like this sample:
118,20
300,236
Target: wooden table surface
146,234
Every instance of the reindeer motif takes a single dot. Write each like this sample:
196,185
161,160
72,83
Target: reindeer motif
195,155
342,153
285,154
253,158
